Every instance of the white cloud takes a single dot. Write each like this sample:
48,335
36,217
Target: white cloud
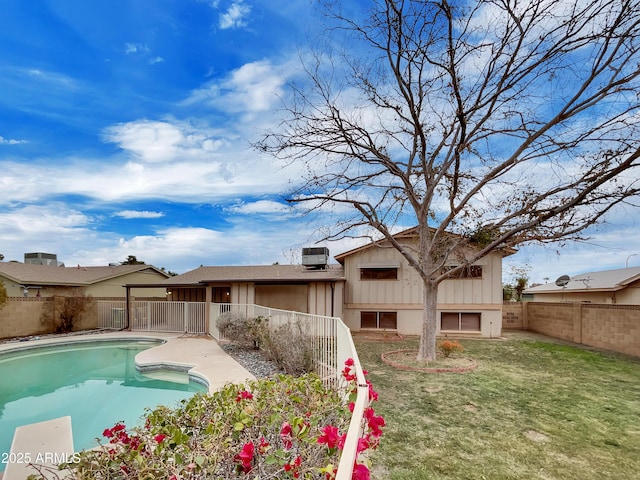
43,228
235,16
130,214
260,207
162,141
254,87
156,60
10,141
130,48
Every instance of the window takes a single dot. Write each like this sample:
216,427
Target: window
221,294
382,273
471,271
386,320
460,321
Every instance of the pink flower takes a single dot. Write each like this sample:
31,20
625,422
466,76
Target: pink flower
373,395
263,446
285,435
244,395
349,362
375,424
135,443
293,467
245,457
363,444
160,437
330,436
114,431
348,376
360,472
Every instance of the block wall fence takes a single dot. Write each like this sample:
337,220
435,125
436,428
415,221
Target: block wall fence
611,327
21,317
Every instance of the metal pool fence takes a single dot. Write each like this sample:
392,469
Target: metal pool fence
331,340
154,316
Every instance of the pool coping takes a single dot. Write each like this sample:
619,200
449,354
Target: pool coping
199,356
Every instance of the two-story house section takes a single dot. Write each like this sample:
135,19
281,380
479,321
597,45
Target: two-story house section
383,292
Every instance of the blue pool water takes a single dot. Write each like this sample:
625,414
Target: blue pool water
95,383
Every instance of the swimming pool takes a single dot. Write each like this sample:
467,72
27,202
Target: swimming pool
96,383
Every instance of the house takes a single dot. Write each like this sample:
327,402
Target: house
46,280
382,291
371,287
619,286
316,289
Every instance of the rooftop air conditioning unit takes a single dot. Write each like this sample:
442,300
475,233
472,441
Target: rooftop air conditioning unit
315,257
41,258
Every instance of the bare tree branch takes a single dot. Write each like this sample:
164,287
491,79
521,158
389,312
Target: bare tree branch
518,120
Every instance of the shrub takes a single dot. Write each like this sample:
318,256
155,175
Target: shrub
3,294
238,328
447,347
286,344
289,347
279,428
63,312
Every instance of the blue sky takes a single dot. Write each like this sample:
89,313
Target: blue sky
125,129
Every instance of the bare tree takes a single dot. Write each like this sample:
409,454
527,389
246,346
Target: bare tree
486,124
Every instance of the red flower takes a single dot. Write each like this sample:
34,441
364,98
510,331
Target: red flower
263,446
285,435
244,395
373,395
360,472
245,457
118,427
363,444
348,376
135,443
160,437
341,440
352,406
294,467
330,436
114,431
349,362
375,424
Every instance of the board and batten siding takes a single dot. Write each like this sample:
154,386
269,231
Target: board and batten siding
404,295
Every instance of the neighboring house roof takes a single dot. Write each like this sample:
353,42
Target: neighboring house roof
408,233
32,274
605,280
260,273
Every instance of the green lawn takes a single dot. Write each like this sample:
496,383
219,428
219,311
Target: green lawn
534,408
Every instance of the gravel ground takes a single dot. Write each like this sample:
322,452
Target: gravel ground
253,360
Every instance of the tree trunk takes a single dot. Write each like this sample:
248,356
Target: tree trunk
427,349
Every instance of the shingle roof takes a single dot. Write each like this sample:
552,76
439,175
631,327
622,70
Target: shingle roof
609,280
505,251
31,274
259,273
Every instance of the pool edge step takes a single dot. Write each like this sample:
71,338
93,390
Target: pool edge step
45,443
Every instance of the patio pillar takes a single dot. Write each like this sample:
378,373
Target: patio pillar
208,298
